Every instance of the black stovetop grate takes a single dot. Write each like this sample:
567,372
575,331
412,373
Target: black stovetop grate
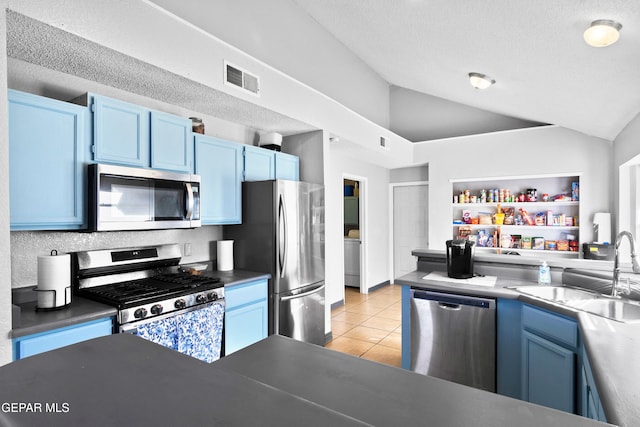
150,289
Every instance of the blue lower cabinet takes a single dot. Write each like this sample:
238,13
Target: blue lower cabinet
406,327
547,373
549,354
46,163
509,348
39,343
590,405
246,315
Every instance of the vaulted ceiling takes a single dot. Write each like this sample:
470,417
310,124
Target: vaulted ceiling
535,51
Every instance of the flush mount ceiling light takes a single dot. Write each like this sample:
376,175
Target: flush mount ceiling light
602,32
480,81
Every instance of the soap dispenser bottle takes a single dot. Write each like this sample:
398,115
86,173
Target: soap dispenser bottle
544,274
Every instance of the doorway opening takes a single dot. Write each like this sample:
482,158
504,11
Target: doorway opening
354,233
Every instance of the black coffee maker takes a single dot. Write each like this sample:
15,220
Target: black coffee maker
460,259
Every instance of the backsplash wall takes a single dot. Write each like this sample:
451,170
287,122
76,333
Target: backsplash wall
26,246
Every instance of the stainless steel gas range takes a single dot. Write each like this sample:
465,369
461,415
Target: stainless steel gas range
155,298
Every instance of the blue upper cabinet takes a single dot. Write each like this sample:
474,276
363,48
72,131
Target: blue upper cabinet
171,142
287,166
120,132
131,135
259,164
46,162
220,166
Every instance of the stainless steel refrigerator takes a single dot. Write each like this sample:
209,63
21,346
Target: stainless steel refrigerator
282,233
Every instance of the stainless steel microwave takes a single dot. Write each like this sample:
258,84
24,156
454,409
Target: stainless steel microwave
125,198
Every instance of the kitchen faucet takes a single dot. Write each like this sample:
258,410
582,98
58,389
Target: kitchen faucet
616,268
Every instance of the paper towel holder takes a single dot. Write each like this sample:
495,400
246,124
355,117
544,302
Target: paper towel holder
66,290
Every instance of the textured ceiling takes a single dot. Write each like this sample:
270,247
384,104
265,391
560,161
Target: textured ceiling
543,69
35,42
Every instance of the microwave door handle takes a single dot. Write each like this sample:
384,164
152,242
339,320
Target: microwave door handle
189,207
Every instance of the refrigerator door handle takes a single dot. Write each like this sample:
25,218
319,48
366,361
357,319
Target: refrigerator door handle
282,249
302,295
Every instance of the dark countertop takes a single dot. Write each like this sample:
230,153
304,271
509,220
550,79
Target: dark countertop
382,395
125,380
83,310
610,345
277,381
80,310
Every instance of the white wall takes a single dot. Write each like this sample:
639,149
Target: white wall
626,157
188,52
284,36
376,229
535,151
5,246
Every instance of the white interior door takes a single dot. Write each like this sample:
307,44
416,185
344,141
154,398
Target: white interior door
409,225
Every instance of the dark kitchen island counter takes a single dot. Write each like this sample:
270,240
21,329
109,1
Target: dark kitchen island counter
125,380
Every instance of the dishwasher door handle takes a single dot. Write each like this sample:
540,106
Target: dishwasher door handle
449,306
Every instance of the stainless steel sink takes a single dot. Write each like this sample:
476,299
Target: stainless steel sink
557,293
620,310
587,301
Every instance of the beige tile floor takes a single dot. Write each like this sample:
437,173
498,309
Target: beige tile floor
368,325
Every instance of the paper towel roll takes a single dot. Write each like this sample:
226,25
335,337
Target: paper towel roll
54,274
225,255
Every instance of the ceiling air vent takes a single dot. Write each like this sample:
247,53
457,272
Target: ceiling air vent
235,76
383,143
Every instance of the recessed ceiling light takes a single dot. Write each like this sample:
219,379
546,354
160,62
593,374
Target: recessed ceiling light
602,32
480,81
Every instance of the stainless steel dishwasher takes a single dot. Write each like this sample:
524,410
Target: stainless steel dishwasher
453,337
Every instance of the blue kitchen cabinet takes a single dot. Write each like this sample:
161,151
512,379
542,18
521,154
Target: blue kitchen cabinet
171,143
120,132
287,166
590,405
131,135
406,327
220,166
39,343
259,164
246,315
46,163
549,346
508,347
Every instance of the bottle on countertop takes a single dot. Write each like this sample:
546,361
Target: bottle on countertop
544,274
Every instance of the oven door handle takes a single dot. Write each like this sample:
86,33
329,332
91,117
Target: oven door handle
190,202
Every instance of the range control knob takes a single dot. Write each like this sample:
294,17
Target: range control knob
156,309
180,303
201,299
140,313
212,296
